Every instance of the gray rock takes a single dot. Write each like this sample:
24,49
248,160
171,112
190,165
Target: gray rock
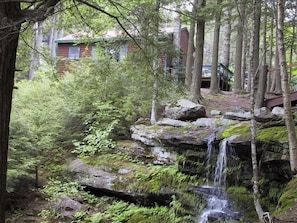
92,176
67,208
215,112
278,111
146,134
263,115
172,122
184,110
162,156
115,182
205,122
240,116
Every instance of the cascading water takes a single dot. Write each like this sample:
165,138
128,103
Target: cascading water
220,177
210,147
218,206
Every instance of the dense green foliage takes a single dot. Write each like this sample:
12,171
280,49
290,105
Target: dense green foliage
50,113
104,209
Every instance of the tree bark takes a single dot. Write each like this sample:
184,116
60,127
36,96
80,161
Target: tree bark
12,16
190,50
195,92
237,86
285,87
253,61
36,48
227,37
256,46
276,82
155,66
214,87
9,36
262,84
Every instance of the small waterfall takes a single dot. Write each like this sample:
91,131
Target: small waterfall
218,206
210,147
220,176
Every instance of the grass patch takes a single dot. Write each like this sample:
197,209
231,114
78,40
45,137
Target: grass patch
288,198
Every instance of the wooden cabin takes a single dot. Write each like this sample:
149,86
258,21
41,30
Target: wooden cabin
73,47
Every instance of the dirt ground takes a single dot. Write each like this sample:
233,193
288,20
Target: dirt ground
225,101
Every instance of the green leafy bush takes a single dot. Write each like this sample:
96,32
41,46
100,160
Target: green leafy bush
97,141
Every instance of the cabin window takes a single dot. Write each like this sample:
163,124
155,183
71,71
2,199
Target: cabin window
118,52
123,52
73,52
94,52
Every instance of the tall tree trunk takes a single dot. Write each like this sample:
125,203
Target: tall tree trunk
269,78
155,65
237,86
177,69
36,48
262,84
256,46
195,92
253,61
190,50
285,86
10,26
227,37
8,48
276,82
214,87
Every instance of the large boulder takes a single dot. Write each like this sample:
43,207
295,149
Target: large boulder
92,176
118,181
67,207
264,115
184,110
169,136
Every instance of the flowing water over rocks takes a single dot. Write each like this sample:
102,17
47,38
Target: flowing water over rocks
218,206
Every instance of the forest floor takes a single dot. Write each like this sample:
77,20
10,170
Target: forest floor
25,205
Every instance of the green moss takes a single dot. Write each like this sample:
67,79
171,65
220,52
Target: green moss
141,178
277,133
159,177
242,129
271,134
288,198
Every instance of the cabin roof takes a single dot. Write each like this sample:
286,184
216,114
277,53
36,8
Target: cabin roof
111,35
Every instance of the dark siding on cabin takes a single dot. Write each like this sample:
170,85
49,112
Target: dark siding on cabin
184,40
63,54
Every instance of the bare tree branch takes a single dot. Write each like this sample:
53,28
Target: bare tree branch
112,16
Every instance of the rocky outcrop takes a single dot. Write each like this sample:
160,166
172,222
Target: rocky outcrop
185,130
184,110
115,182
192,138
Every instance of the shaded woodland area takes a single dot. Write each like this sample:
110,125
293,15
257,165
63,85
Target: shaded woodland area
45,117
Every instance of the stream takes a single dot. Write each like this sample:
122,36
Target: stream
219,207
